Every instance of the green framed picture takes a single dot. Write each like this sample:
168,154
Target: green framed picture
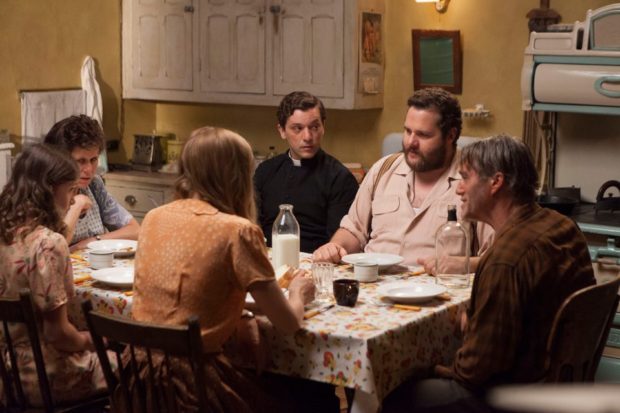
437,59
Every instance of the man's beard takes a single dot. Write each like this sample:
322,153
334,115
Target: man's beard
428,162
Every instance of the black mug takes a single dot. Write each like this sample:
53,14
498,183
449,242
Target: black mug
346,291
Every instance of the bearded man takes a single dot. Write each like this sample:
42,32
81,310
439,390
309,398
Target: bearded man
404,198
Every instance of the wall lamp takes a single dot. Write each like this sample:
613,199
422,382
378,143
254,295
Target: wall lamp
440,5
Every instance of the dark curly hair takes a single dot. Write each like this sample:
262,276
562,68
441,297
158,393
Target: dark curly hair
27,200
298,100
76,132
444,103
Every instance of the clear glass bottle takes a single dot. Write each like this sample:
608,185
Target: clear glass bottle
272,152
452,253
285,238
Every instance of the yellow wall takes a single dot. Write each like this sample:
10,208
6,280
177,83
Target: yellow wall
45,41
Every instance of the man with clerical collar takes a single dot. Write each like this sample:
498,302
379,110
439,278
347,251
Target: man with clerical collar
319,187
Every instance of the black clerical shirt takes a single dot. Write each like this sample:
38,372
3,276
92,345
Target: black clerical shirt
321,191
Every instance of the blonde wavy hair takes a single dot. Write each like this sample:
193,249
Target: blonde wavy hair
217,166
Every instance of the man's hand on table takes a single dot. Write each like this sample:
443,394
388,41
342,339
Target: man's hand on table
330,252
428,263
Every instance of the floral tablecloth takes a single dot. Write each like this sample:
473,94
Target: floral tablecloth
105,298
371,347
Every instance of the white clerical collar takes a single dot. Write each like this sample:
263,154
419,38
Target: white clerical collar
296,162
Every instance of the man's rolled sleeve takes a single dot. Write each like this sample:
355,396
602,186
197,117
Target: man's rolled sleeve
359,217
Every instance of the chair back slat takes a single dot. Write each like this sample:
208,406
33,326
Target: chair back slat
156,343
21,310
12,388
579,333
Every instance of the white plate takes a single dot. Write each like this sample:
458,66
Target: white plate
120,247
410,292
383,260
117,276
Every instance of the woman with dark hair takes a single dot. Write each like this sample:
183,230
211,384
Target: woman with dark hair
95,214
34,255
200,255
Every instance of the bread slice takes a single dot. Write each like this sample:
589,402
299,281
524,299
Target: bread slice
284,275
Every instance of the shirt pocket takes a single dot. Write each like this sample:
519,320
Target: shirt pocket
383,213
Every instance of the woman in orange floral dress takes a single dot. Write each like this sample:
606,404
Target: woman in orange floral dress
200,255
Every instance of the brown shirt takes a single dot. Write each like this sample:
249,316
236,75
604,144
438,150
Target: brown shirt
195,260
537,260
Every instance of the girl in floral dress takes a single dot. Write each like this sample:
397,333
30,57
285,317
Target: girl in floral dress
34,255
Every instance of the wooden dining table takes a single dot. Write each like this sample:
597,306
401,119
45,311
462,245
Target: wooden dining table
371,347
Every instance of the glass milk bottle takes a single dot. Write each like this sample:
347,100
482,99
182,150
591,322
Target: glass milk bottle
452,253
285,238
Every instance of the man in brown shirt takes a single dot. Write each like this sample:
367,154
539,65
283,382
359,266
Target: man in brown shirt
537,260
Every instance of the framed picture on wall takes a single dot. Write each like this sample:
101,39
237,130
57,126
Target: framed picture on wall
437,60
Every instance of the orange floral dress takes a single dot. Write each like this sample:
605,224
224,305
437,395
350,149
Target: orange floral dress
193,259
41,263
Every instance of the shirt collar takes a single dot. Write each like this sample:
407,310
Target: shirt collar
296,162
306,162
197,206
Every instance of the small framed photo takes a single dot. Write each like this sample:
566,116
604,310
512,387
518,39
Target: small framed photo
437,60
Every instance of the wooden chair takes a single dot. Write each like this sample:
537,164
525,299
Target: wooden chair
21,310
579,333
178,341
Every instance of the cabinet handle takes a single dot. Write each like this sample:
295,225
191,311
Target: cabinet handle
131,200
261,15
275,9
188,9
599,86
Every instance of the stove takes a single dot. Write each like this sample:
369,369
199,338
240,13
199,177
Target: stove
600,223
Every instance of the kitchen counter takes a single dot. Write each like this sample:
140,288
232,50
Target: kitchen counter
138,191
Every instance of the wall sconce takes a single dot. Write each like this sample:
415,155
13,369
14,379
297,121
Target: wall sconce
440,5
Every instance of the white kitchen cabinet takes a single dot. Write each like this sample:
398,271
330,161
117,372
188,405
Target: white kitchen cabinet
161,56
247,51
232,47
308,52
139,192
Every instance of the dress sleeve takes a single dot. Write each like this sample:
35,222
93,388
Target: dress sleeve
494,328
249,256
113,215
51,275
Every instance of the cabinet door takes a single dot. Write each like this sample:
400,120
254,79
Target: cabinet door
232,46
308,47
161,36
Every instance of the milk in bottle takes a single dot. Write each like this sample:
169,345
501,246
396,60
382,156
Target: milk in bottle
285,238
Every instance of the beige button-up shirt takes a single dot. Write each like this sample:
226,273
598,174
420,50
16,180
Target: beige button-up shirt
395,226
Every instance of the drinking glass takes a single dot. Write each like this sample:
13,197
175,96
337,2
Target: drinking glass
322,275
